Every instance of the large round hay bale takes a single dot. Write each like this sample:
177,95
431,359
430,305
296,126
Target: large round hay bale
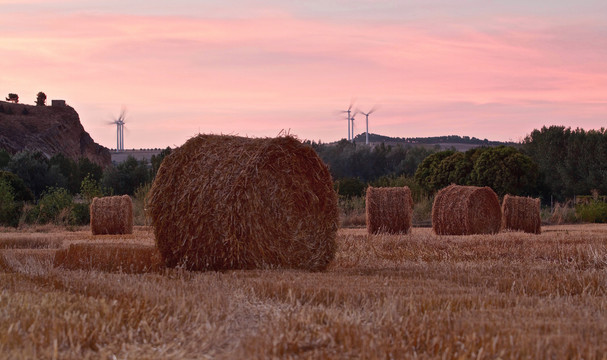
521,214
389,210
112,215
228,202
466,210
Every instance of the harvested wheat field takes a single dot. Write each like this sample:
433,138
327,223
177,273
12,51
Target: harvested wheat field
511,295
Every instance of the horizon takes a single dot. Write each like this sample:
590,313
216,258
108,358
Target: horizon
490,71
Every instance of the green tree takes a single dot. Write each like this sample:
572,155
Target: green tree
66,171
32,168
127,176
10,210
157,160
506,170
20,191
426,174
54,206
5,158
41,99
451,171
350,187
86,167
570,162
90,188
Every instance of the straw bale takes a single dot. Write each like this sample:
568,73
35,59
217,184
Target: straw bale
112,215
109,257
466,210
389,210
227,202
521,214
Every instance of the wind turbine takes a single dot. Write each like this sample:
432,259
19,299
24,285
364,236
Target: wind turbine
349,111
120,130
352,119
373,109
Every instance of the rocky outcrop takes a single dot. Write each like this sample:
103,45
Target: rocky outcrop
50,130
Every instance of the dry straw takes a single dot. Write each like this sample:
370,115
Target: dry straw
228,202
110,257
112,215
389,210
15,259
521,214
466,210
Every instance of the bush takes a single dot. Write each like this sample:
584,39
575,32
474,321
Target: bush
80,214
21,192
594,212
10,210
54,206
350,187
417,192
140,204
90,188
352,211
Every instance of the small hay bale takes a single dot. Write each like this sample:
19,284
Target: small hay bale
109,257
112,215
389,210
521,214
228,202
466,210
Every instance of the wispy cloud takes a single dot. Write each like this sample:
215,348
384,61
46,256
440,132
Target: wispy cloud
259,75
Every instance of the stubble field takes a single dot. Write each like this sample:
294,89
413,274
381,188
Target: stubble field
510,295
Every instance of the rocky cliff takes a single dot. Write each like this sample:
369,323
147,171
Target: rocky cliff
50,130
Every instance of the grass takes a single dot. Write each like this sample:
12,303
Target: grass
510,295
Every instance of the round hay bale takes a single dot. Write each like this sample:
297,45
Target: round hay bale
521,214
228,202
466,210
389,210
112,215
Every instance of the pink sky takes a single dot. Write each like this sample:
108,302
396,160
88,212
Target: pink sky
437,69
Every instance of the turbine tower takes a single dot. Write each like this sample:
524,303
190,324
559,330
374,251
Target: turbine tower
367,118
120,130
352,119
349,118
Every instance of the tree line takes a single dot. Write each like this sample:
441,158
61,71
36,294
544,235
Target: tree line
52,185
553,163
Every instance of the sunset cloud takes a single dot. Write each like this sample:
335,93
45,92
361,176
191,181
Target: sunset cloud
498,78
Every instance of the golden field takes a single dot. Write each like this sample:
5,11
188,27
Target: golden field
510,295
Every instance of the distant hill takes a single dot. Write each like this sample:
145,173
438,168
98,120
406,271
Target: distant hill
461,143
50,130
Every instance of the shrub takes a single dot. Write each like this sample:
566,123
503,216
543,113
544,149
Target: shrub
594,212
10,210
90,188
52,207
350,187
80,214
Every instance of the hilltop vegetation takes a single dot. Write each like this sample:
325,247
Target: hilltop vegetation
432,140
